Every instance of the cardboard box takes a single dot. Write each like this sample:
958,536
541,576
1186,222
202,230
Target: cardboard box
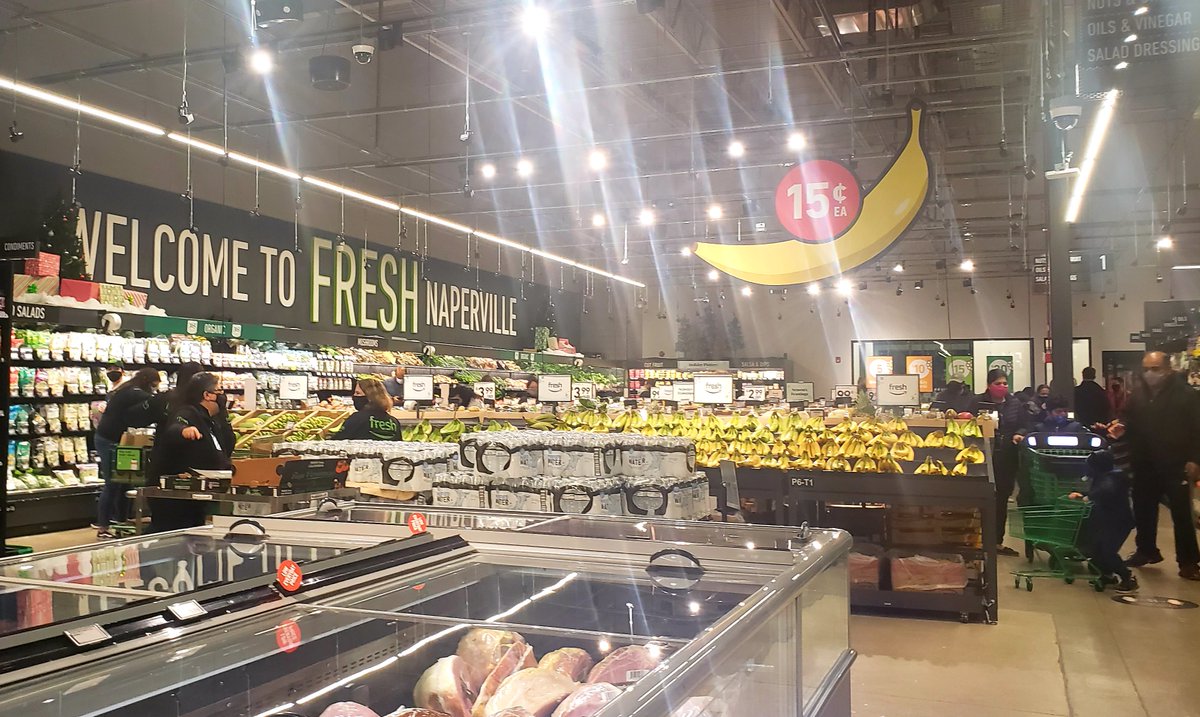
44,264
79,290
136,298
259,472
137,440
25,284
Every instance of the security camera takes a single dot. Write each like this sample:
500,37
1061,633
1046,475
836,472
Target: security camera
363,53
186,116
16,135
1065,112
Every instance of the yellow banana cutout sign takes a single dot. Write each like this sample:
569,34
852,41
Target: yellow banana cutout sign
887,211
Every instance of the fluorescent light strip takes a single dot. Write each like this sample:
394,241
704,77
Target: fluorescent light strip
197,144
1186,267
80,107
1091,154
209,148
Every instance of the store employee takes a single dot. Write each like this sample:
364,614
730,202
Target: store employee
395,385
371,421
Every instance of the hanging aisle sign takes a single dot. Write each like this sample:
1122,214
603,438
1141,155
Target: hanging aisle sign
233,270
837,228
1141,52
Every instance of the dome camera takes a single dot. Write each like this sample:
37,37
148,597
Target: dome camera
1065,112
363,53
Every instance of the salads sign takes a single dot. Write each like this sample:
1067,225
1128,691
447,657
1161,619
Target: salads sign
231,266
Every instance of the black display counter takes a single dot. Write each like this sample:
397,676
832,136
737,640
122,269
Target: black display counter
46,510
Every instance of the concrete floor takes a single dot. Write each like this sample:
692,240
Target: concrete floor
1059,650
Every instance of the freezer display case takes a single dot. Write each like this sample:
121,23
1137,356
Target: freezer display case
486,622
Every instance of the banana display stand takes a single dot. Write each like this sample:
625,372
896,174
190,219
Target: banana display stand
925,538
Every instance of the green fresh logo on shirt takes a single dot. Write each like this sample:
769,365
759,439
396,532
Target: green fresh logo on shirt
381,428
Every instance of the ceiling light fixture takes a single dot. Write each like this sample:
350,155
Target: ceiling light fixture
597,160
197,144
919,284
1091,153
646,217
715,212
598,220
813,289
1131,37
713,275
967,265
95,112
737,149
899,267
488,171
1121,65
844,287
796,142
686,251
262,61
1142,10
747,291
1165,242
524,168
277,12
535,20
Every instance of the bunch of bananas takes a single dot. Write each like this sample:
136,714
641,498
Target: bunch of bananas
970,454
930,467
966,429
544,422
903,452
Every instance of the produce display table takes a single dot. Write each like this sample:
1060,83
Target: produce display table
240,503
788,489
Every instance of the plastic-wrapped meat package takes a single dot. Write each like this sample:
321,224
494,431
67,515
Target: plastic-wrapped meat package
445,687
417,712
535,690
587,700
570,661
928,572
348,709
864,564
482,650
517,657
626,664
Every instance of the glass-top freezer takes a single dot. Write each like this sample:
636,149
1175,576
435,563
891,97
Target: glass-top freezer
477,629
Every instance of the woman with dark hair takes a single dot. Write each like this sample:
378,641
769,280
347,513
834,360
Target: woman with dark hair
197,436
371,421
955,397
171,402
129,406
1013,425
462,396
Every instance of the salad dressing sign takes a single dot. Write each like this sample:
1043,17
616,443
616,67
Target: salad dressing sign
226,265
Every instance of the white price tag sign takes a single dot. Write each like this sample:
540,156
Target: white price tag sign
418,388
293,387
662,392
754,393
713,389
801,392
685,392
485,390
583,390
844,392
553,389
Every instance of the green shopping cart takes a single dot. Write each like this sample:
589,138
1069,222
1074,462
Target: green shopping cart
1052,466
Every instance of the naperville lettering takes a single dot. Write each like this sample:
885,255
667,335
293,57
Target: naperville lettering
457,307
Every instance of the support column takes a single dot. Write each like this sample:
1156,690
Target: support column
1058,191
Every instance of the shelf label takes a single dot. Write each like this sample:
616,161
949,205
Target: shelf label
485,390
88,635
187,610
844,392
583,390
662,392
754,393
289,576
684,392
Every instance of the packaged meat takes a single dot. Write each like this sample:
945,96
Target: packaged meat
512,712
482,649
417,712
626,664
536,690
518,656
348,709
446,687
927,572
587,700
570,661
864,565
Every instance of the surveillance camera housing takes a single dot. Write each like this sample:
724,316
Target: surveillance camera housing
363,53
1065,112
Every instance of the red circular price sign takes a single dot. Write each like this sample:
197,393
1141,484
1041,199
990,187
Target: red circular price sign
288,635
417,523
818,200
289,576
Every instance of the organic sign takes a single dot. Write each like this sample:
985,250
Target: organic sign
819,203
921,366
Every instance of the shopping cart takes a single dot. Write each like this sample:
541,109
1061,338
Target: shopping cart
1052,466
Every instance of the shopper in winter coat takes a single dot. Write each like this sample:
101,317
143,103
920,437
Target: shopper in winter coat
172,401
1091,401
954,397
1111,520
371,420
1162,426
1013,425
1118,397
1057,420
197,436
131,405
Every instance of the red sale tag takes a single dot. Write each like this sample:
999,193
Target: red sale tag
417,523
289,576
818,200
288,636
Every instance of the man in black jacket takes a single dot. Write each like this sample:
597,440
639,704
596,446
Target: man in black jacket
1162,426
1091,401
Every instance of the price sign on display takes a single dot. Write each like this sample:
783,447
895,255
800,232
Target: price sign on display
662,392
684,392
818,200
418,388
554,388
801,392
289,576
417,523
485,390
293,387
755,393
584,390
713,389
845,392
288,635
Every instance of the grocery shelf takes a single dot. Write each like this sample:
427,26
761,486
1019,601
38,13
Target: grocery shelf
54,434
68,398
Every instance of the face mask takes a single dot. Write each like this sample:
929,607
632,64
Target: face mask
1059,421
221,402
997,392
114,376
1154,378
360,402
